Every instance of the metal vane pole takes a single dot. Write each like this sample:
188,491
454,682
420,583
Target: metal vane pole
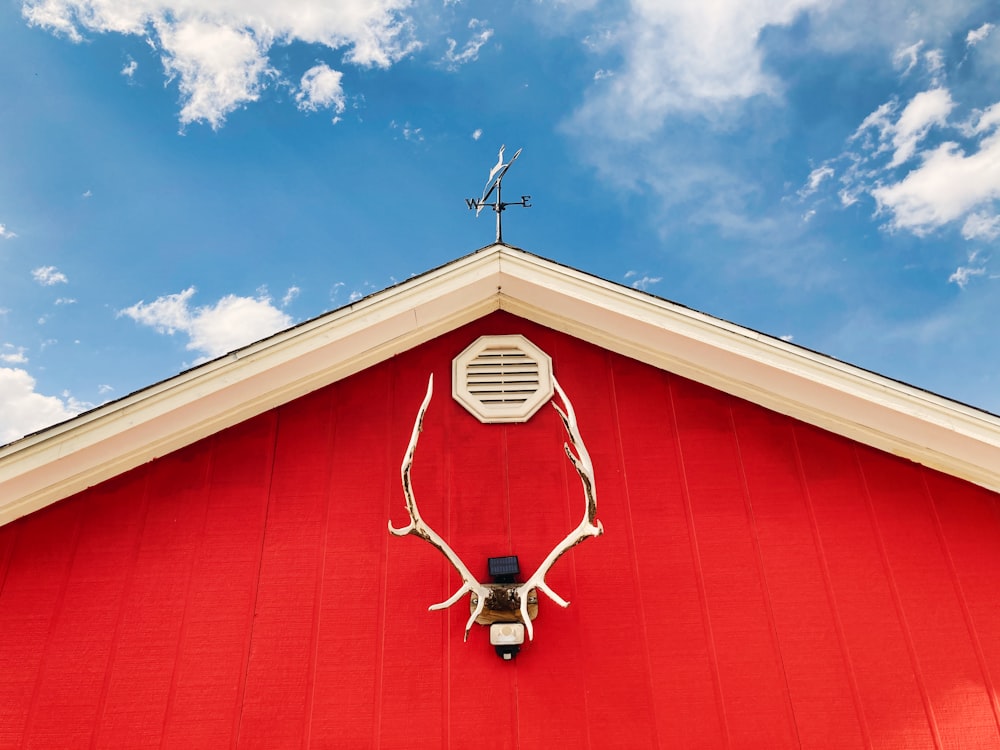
493,183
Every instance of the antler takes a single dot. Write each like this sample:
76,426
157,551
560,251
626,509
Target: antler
417,527
588,527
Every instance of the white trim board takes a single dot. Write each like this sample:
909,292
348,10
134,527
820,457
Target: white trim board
62,460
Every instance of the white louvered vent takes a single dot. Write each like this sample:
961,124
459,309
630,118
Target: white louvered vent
502,378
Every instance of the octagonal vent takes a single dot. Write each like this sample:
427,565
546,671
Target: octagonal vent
502,378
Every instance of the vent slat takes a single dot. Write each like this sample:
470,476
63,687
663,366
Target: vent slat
501,381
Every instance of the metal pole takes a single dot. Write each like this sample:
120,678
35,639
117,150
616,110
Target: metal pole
498,207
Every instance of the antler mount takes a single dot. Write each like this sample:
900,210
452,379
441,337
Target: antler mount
505,602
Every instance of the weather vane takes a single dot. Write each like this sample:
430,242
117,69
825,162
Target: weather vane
493,184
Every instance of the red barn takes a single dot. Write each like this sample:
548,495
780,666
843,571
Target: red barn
796,552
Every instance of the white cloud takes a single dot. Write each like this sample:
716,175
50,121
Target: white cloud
219,67
962,274
926,109
682,58
218,50
409,132
290,295
13,355
129,70
6,234
213,330
642,282
320,88
948,186
935,64
477,134
65,301
815,179
691,77
470,52
87,194
981,226
907,55
24,410
975,36
924,167
49,276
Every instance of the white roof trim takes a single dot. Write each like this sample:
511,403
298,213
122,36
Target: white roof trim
62,460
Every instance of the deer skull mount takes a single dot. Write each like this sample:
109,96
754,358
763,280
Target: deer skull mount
506,602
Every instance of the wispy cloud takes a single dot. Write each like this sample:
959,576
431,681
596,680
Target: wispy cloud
13,355
409,132
455,58
975,267
219,52
214,329
6,234
975,36
290,295
49,276
949,184
641,281
925,165
815,179
130,67
981,226
683,58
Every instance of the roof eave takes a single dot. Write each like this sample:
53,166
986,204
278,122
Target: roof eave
874,410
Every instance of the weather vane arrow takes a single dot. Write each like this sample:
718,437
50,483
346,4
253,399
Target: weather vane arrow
493,186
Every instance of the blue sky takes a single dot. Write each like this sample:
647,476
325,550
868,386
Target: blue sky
179,178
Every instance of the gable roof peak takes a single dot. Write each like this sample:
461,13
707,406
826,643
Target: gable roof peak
66,458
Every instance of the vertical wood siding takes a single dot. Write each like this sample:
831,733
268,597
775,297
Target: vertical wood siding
761,583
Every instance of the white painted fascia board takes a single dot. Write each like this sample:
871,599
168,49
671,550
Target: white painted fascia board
67,458
872,409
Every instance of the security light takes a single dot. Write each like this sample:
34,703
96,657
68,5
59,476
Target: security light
506,638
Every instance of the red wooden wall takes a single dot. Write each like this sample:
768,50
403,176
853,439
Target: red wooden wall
761,583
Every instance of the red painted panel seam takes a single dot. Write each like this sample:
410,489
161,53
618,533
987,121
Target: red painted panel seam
898,604
12,531
446,631
962,601
630,532
123,597
331,431
172,692
699,570
59,602
569,476
828,585
761,573
387,494
245,671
